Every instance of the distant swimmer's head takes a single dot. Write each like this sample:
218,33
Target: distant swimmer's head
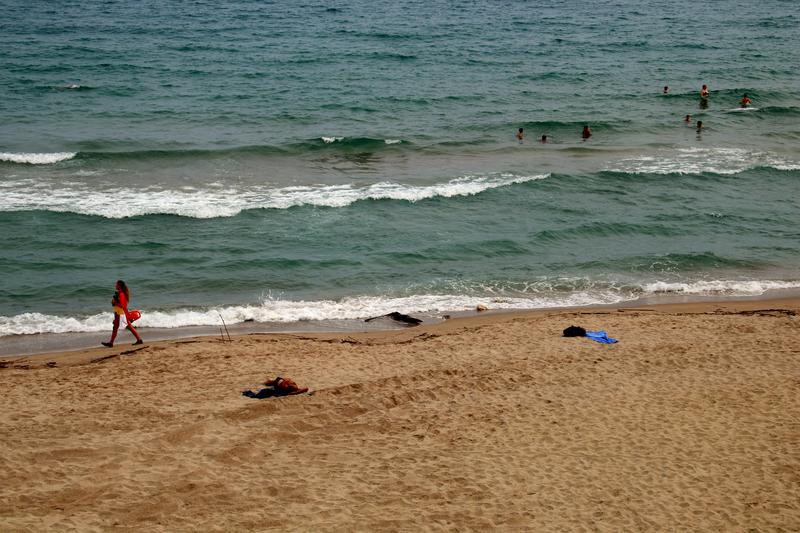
544,138
745,101
699,125
666,89
688,118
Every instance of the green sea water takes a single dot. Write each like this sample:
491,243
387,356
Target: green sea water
279,162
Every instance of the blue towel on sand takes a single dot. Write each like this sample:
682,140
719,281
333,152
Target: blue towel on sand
600,336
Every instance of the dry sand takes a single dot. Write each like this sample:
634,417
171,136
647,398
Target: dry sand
690,422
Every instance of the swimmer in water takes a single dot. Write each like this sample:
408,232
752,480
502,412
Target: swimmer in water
688,119
745,101
704,91
586,132
666,89
544,139
520,135
699,126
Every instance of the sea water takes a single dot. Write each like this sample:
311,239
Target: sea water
277,162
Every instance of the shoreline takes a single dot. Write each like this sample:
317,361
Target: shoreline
331,329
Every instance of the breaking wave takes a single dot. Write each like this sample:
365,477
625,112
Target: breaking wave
218,200
27,158
702,160
356,308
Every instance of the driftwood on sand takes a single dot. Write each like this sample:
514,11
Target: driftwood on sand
400,317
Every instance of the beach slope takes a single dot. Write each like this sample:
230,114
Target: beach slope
690,422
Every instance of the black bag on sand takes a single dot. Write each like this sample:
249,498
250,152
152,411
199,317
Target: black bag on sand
574,331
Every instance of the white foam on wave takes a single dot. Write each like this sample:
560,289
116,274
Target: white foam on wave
217,200
719,287
331,139
36,158
287,311
32,323
272,310
701,160
787,166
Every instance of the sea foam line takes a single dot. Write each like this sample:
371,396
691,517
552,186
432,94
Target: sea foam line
332,139
719,287
701,160
288,311
36,158
217,200
272,310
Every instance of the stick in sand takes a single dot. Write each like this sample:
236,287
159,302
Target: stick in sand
225,326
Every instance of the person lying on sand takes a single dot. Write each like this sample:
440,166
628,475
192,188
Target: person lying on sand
276,387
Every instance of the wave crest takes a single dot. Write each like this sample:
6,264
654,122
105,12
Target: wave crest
725,161
220,201
556,293
30,158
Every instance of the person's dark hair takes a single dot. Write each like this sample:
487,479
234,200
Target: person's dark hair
124,289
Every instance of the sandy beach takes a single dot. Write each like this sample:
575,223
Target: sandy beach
497,422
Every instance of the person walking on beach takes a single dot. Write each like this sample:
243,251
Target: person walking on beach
122,316
586,133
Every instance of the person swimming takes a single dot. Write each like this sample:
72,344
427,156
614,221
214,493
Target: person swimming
704,91
666,89
543,140
520,135
688,119
699,126
586,133
745,101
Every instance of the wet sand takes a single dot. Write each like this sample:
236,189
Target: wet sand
690,422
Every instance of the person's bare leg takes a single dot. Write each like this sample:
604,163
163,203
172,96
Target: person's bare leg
110,343
135,334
